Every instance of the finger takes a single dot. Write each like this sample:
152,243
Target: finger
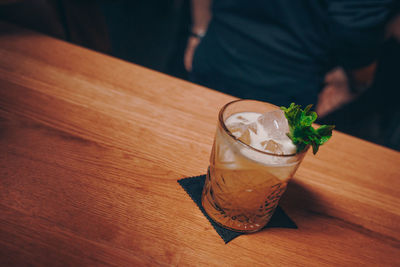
187,61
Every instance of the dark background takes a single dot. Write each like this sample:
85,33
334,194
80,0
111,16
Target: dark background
153,33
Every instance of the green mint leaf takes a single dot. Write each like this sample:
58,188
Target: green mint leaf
307,109
301,131
315,148
325,130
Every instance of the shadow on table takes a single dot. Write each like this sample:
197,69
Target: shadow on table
298,199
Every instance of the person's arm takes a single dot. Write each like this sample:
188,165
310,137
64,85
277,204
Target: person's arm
358,32
201,16
357,29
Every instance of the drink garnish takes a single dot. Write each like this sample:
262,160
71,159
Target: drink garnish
301,131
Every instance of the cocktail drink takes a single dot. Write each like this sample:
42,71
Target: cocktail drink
251,163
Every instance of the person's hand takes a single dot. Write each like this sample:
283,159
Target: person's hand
192,44
335,94
393,28
331,98
342,87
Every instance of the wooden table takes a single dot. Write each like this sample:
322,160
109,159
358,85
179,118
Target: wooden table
91,151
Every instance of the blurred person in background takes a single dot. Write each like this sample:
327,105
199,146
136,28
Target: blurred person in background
373,114
276,51
280,51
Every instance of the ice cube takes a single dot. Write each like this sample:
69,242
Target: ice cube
237,128
262,131
225,154
242,119
243,131
274,124
249,134
275,127
273,147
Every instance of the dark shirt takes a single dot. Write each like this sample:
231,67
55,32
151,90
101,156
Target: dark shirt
279,50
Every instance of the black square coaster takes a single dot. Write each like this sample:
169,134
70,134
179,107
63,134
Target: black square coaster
194,187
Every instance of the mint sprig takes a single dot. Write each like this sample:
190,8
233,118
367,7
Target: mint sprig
301,131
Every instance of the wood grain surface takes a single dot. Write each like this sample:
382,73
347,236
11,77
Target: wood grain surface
91,151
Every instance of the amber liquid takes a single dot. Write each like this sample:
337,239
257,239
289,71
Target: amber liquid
239,193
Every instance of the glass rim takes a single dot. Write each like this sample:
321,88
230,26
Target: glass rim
222,123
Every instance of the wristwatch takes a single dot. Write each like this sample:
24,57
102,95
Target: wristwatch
199,35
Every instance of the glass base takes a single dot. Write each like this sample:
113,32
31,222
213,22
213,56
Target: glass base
234,218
